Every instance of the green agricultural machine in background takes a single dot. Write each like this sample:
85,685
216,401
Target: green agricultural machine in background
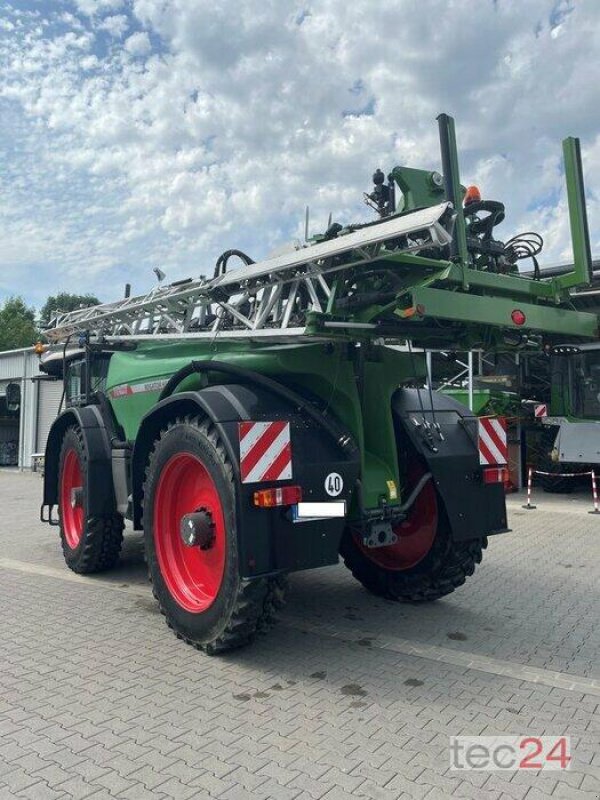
272,417
564,426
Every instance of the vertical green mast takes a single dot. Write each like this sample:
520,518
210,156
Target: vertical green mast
451,172
580,236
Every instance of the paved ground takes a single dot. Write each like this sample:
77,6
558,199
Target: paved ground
350,697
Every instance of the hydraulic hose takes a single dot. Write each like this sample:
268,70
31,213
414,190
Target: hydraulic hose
335,431
221,265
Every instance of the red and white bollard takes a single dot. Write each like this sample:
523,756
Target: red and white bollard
528,505
594,495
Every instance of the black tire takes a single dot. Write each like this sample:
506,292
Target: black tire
99,547
446,567
241,608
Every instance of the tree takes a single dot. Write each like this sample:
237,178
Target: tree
63,301
17,324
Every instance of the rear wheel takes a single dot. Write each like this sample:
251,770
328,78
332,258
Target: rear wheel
89,543
191,542
424,564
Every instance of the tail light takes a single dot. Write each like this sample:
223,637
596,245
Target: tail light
281,496
495,474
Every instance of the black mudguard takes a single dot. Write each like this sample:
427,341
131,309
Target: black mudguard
268,540
96,438
474,509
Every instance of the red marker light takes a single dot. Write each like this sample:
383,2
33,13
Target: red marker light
495,475
284,496
472,195
518,317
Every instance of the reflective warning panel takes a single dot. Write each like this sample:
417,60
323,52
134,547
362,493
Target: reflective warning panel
265,451
492,444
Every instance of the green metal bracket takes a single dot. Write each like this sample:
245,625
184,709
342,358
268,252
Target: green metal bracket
497,311
419,188
580,236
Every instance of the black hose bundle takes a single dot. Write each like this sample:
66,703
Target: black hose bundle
221,265
525,245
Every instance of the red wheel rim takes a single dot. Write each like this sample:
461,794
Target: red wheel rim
192,576
416,534
71,504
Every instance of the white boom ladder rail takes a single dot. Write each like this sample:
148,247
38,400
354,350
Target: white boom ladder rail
271,297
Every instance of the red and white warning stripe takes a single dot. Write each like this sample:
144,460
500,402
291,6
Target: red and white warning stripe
541,410
493,447
265,451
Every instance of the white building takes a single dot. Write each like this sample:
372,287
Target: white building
24,432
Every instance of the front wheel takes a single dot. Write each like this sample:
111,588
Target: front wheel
424,564
191,542
89,543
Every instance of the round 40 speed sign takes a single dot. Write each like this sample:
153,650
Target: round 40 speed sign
334,484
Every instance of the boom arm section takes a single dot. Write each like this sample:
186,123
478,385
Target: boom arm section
431,275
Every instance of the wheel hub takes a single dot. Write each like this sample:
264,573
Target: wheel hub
77,497
198,529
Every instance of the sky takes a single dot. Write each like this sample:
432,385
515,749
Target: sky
145,133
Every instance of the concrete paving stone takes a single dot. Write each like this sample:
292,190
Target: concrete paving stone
148,777
315,769
565,792
375,791
468,791
155,712
239,792
54,775
590,783
184,773
78,787
177,790
96,754
41,791
113,782
337,793
213,786
89,770
348,782
153,758
136,793
100,794
249,780
504,783
274,791
107,739
15,779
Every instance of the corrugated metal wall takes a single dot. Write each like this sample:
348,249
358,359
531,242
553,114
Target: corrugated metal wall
12,363
21,366
49,397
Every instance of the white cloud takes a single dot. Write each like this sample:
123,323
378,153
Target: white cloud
115,25
138,44
215,122
91,8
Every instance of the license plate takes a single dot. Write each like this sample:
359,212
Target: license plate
306,512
